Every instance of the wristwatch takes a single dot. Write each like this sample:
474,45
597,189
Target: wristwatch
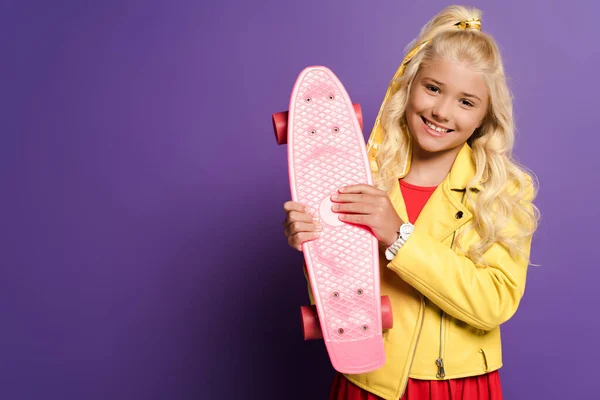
403,233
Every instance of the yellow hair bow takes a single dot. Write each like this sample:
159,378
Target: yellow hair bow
470,24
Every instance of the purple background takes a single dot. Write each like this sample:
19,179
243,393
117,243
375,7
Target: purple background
142,252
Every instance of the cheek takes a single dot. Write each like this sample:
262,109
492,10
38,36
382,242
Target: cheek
413,109
420,101
468,121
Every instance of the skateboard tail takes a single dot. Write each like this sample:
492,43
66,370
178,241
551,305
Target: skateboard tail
357,357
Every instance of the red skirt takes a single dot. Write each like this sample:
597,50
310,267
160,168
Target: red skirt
482,387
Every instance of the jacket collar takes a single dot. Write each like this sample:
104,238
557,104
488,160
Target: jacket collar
445,212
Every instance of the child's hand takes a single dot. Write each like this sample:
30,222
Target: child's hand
369,206
299,225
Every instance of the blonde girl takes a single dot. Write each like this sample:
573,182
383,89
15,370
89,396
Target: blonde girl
452,211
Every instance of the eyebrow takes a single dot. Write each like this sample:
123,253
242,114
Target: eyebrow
463,93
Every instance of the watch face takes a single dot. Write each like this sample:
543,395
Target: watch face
406,229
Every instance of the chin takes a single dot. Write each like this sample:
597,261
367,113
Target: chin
431,145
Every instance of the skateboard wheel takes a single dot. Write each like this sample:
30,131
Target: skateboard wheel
358,112
311,329
280,120
387,319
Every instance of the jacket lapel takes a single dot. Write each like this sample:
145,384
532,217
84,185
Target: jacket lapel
445,211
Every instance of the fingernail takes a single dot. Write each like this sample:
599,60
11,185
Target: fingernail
334,196
341,188
317,234
316,219
336,207
319,227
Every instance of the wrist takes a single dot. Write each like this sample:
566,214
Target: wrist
393,237
402,236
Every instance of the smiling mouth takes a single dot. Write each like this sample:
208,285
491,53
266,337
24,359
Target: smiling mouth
435,127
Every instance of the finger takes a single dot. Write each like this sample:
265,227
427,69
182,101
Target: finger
358,219
295,216
354,208
360,188
298,227
300,216
294,206
296,240
352,198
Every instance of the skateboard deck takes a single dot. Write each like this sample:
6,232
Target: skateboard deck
326,149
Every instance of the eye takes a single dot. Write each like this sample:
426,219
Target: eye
432,88
467,103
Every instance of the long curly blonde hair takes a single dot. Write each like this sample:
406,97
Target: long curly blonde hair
503,210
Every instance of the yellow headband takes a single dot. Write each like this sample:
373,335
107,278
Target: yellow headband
377,133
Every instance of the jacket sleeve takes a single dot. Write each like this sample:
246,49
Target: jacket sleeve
482,296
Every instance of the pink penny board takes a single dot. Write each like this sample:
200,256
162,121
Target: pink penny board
326,149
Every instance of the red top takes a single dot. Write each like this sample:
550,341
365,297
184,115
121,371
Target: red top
415,198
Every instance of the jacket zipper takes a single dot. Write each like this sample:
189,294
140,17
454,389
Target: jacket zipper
440,361
416,343
441,374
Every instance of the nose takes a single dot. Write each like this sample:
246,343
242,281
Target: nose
442,110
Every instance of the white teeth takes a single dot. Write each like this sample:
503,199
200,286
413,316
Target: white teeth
436,128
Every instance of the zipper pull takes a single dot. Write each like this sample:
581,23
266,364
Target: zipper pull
441,372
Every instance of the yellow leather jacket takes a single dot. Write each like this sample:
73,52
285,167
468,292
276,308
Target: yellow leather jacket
447,310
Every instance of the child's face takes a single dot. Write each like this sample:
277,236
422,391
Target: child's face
453,98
